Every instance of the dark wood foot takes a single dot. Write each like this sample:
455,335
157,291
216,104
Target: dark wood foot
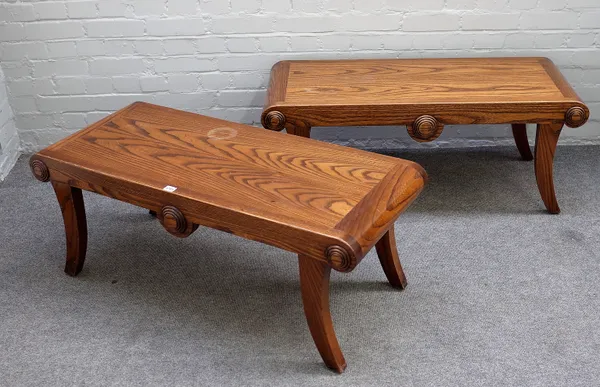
314,282
73,211
545,146
388,256
520,135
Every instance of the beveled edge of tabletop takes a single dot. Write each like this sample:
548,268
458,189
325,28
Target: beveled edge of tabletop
277,113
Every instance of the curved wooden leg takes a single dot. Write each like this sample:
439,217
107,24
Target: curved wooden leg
302,131
314,282
388,256
73,211
545,145
520,135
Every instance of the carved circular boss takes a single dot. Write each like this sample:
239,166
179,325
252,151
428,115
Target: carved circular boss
425,128
576,116
39,170
173,220
273,120
339,259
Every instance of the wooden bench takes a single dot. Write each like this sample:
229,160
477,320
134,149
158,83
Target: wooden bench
327,203
427,94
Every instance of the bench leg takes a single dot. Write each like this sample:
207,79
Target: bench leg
388,256
302,131
314,282
520,135
73,212
545,145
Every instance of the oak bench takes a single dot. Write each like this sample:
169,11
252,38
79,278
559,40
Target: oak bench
427,94
327,203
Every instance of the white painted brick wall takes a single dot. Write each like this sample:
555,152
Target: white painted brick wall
9,139
70,63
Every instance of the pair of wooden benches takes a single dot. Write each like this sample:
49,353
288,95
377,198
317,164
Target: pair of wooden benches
327,203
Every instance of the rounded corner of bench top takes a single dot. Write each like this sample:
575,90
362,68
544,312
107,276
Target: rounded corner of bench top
137,103
545,60
278,65
419,169
376,213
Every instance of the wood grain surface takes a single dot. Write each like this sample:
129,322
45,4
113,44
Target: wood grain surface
377,212
286,191
398,91
402,81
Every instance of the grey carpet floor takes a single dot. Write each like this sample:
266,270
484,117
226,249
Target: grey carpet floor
500,293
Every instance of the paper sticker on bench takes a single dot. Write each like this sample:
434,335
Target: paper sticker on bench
169,188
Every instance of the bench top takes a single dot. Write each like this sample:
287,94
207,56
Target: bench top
276,188
396,91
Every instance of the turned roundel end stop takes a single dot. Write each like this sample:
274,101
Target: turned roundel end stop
274,120
425,128
173,220
576,116
39,170
339,258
